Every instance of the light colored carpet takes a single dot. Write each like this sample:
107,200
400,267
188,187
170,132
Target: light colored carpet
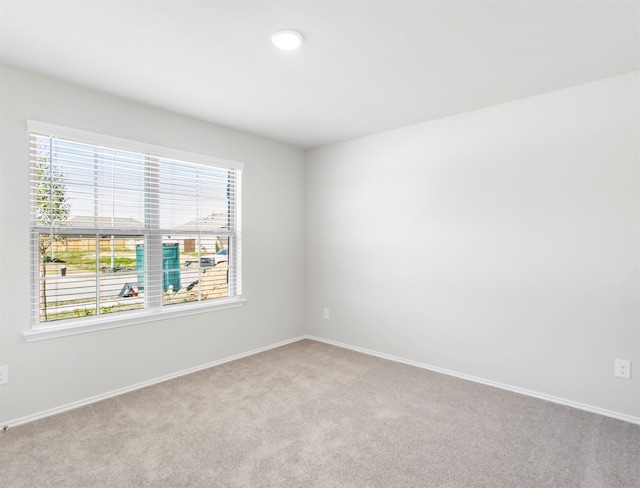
312,415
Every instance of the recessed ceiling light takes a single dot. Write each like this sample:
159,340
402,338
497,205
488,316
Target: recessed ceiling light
287,39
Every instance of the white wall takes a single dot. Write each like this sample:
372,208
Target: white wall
501,243
53,373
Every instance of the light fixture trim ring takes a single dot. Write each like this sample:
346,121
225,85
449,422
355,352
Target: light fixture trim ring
287,39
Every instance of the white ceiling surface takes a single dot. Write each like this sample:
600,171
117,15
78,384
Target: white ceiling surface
366,66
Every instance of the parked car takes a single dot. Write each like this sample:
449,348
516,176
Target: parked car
221,256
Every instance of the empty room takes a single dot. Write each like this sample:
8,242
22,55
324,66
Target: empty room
319,243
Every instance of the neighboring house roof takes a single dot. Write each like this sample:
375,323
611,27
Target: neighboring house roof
214,221
210,222
115,222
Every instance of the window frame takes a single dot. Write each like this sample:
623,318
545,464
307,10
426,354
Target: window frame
47,330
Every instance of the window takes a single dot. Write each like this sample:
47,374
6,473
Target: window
124,229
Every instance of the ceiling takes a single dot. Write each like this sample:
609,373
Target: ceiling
365,67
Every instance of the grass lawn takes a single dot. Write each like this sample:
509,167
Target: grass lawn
83,261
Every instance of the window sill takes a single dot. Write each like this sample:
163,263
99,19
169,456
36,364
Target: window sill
80,326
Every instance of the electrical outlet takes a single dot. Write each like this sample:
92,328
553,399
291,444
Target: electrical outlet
4,375
326,314
623,369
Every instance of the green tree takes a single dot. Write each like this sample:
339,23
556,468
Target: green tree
52,209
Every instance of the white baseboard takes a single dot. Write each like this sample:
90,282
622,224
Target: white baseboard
502,386
144,384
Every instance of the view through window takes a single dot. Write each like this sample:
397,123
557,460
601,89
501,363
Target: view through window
117,230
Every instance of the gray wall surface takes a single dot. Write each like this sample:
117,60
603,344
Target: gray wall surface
53,373
500,243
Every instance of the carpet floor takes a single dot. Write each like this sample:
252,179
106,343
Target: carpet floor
313,415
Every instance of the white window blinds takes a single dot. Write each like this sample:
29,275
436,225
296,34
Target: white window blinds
119,226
